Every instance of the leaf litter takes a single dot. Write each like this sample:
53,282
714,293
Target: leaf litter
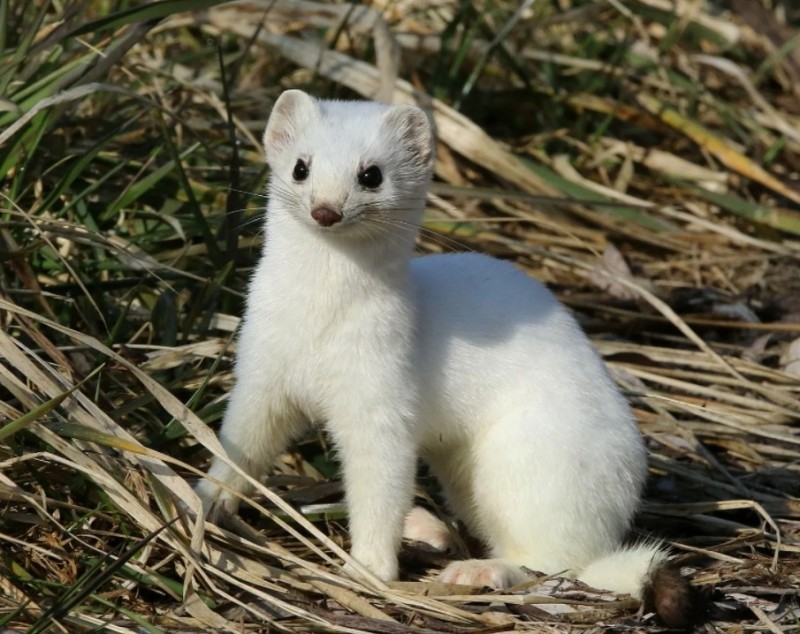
639,157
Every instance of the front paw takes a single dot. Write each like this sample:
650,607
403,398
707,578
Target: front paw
382,565
216,503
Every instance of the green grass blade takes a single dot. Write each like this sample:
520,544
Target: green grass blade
9,429
152,11
783,219
93,579
148,182
574,190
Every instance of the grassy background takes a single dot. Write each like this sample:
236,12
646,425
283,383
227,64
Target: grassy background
639,156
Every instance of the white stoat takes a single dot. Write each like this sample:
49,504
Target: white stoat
459,359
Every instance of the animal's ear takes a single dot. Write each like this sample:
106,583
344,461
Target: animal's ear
292,109
411,127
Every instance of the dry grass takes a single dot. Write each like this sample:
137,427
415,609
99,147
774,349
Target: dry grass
641,157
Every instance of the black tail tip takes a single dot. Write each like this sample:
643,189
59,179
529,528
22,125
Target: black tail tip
676,602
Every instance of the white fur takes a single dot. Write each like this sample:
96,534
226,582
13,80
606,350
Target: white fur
624,569
459,359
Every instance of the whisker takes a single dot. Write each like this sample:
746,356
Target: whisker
443,239
391,204
378,222
377,227
446,242
246,192
241,209
388,224
278,185
256,219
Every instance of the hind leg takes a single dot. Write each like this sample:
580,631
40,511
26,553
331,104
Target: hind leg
499,574
551,500
455,468
423,526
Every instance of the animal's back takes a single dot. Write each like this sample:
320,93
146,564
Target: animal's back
488,336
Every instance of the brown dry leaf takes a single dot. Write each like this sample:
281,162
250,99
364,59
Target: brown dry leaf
613,265
721,148
790,359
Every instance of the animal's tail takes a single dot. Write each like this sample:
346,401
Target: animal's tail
642,571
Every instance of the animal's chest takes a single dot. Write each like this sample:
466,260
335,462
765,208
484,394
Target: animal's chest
328,346
299,353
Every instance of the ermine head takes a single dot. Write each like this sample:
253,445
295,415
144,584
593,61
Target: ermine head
349,167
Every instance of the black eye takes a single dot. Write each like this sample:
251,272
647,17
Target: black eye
300,172
370,177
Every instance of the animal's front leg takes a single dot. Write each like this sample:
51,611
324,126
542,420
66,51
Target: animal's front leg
378,456
259,422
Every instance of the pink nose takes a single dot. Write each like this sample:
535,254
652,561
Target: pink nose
325,216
